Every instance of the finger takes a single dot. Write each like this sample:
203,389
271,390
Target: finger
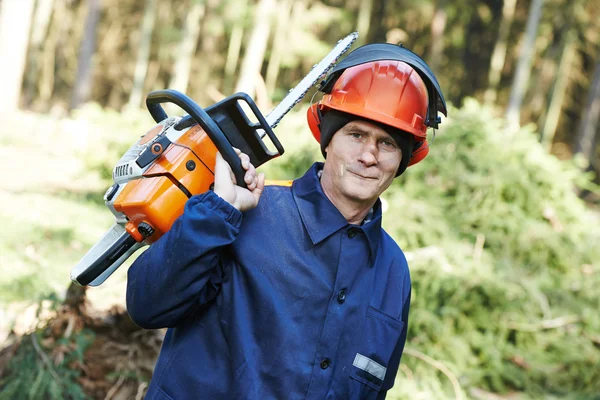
252,182
238,151
245,160
250,170
250,176
260,186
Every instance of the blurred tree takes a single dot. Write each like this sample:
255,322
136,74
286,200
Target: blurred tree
588,128
39,30
523,71
558,91
280,38
83,81
499,53
187,46
438,28
141,65
378,27
237,14
363,20
15,21
49,60
255,49
205,82
549,47
168,31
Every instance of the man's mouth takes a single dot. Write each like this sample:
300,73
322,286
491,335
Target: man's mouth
362,176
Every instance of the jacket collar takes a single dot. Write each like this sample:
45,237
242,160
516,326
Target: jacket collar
321,218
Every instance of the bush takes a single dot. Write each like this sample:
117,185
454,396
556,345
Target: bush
504,301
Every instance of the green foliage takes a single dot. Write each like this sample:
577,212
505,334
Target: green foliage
112,135
510,315
506,188
43,368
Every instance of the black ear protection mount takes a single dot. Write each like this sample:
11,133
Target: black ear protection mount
389,51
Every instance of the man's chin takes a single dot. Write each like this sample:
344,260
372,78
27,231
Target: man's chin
361,196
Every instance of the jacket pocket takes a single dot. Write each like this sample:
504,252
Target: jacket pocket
380,336
160,394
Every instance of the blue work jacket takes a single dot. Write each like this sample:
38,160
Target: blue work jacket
285,301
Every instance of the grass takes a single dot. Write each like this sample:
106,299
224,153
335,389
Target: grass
52,213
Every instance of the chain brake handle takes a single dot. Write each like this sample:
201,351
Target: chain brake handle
156,98
239,130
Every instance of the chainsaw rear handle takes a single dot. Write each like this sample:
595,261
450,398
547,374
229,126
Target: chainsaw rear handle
216,135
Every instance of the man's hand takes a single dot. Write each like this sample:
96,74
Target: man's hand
225,187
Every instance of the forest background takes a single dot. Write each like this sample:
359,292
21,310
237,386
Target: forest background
500,223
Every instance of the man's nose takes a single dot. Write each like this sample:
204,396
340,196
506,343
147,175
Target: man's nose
368,155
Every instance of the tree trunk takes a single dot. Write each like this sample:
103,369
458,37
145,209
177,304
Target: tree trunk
47,78
234,47
255,51
159,71
15,22
83,82
187,47
558,92
277,49
208,50
141,65
544,79
521,78
438,26
41,20
499,53
363,21
378,29
39,32
233,55
588,128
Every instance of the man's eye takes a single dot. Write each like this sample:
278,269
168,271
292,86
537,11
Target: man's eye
389,143
356,135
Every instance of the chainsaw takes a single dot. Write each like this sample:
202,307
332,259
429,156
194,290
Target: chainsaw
175,160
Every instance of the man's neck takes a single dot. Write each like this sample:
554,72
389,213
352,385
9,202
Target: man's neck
353,211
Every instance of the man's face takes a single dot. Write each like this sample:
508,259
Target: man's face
362,160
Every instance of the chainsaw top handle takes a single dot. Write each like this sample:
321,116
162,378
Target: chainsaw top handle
216,135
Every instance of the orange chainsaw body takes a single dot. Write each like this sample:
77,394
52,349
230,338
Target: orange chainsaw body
157,199
172,162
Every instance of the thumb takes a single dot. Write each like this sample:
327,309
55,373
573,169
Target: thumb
223,173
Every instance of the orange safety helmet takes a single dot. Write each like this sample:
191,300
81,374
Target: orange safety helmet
387,84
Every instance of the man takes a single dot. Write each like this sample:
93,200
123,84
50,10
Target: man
296,292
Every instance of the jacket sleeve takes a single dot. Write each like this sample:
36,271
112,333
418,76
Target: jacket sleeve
394,363
173,276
